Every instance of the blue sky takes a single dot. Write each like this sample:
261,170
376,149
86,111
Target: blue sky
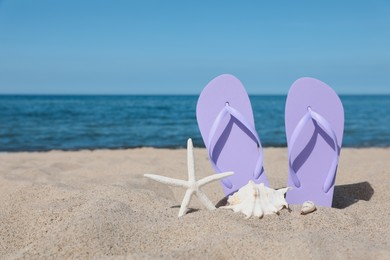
177,47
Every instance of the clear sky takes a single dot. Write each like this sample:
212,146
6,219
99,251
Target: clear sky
176,47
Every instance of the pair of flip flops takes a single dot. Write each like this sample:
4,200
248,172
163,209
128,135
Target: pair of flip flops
314,121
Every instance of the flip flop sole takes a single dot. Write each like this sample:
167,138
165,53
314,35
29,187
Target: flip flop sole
314,149
235,149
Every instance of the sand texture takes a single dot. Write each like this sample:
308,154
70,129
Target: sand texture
97,204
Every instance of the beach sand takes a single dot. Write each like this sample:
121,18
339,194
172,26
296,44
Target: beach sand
97,204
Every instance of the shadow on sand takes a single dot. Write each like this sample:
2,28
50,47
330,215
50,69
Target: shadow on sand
346,195
189,210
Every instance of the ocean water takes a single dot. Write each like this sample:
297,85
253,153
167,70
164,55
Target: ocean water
41,123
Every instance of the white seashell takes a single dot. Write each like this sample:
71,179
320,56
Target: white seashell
257,200
307,207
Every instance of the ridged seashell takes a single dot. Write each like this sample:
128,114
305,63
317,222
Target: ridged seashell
257,200
307,207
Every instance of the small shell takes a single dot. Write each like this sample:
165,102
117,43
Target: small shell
308,207
257,200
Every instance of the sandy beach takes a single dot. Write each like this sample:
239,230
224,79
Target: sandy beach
97,204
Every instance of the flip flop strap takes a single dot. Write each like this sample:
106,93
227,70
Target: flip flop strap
325,126
217,123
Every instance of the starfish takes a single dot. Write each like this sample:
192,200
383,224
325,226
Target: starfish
192,185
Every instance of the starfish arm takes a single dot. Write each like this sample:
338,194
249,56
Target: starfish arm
185,202
204,200
167,180
190,160
213,177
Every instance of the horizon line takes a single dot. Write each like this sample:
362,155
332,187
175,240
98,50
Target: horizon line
168,94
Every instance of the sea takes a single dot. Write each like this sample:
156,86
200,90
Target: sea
55,122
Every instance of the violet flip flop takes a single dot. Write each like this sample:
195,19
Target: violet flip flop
314,119
225,120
